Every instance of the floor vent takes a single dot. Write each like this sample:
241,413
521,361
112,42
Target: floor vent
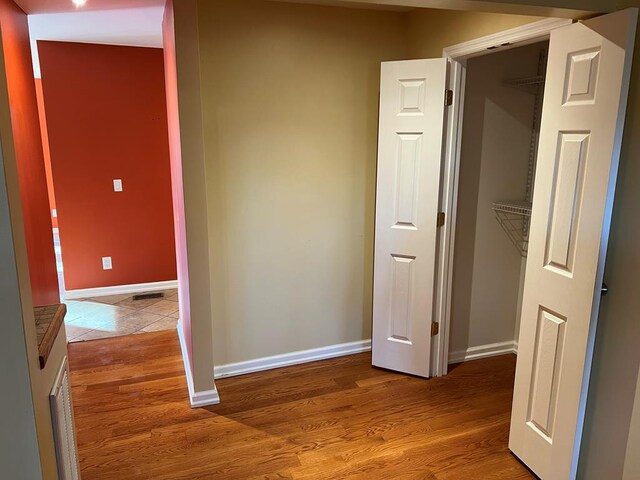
63,426
147,296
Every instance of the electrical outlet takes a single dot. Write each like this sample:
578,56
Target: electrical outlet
117,185
106,263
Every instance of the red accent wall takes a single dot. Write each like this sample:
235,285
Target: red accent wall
171,81
107,119
29,155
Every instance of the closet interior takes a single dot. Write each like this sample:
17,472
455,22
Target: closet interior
502,110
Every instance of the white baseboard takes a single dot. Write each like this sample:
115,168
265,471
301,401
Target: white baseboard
119,289
483,351
293,358
197,399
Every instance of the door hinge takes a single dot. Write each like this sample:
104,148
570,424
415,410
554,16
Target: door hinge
440,221
448,97
435,328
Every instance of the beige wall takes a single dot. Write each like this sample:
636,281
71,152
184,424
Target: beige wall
493,167
198,337
290,120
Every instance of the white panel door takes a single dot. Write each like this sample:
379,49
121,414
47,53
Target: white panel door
412,102
582,119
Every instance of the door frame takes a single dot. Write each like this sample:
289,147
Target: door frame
457,56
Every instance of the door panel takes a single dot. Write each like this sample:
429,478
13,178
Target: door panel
409,161
582,118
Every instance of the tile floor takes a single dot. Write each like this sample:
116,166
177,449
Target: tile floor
115,315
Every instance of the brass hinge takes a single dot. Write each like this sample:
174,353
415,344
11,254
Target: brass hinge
448,97
435,328
440,221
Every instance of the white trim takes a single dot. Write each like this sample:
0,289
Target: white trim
293,358
196,399
483,351
204,399
457,55
448,204
530,32
119,289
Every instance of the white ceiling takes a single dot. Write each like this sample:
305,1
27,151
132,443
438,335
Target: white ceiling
60,6
140,27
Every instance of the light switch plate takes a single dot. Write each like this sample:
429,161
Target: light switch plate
117,185
106,263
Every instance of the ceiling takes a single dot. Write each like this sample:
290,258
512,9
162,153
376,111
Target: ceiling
65,6
139,22
60,6
141,27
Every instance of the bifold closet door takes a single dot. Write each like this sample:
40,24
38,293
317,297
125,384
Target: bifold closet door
582,120
410,142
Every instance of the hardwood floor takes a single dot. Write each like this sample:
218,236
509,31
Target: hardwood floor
331,419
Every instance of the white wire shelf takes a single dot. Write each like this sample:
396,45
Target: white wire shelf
514,218
526,81
532,85
518,207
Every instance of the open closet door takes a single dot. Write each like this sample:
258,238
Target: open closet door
410,142
582,119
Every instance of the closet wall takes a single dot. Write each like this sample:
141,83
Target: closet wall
494,163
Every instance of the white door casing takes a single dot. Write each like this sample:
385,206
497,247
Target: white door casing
583,115
410,141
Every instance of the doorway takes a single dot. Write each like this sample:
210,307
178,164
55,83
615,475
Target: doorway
103,116
500,134
557,217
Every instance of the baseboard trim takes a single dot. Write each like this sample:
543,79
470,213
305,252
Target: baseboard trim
119,289
483,351
293,358
196,399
